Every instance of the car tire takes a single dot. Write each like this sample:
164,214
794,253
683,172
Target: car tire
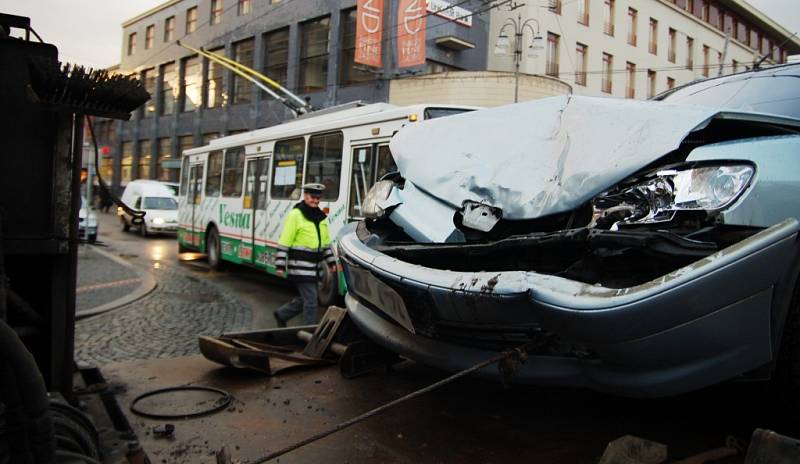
328,287
92,238
213,249
143,230
786,377
125,226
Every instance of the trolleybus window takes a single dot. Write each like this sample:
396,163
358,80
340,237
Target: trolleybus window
233,172
325,163
367,169
287,169
214,174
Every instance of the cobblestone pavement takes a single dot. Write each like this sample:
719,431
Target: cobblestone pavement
101,280
165,323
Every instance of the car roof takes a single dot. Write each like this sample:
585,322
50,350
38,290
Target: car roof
788,69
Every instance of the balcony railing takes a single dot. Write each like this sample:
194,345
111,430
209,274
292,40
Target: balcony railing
630,92
608,28
580,78
551,68
605,85
632,39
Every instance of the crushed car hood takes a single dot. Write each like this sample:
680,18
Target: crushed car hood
542,157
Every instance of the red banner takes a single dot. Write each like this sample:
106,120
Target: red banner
411,33
369,28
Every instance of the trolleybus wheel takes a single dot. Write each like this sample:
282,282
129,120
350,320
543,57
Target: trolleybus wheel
212,249
328,287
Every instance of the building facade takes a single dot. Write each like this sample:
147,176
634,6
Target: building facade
306,45
637,48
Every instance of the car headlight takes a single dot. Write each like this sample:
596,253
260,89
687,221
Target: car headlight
662,194
158,220
378,193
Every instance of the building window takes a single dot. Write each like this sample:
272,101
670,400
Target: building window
689,6
169,88
633,17
287,169
214,174
233,172
314,55
191,95
671,37
216,11
651,83
608,63
169,29
185,142
555,6
349,71
276,55
191,20
164,154
149,37
245,7
552,54
207,138
608,17
215,92
689,53
583,12
149,80
243,54
670,83
653,44
126,161
324,165
705,13
706,63
131,43
581,56
630,84
714,16
145,155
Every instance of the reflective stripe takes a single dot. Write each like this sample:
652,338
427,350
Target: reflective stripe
302,248
282,248
304,264
302,272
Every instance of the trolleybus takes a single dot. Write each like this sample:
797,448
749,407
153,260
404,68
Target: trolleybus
236,191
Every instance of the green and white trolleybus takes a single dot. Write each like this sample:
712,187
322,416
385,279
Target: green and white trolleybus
236,191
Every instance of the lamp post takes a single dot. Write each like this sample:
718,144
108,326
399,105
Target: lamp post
519,26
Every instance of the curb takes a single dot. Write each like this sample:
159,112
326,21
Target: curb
148,285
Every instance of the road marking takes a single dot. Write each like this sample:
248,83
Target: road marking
116,283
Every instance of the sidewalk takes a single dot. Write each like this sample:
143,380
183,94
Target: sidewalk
106,282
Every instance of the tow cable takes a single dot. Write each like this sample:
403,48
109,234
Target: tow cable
509,362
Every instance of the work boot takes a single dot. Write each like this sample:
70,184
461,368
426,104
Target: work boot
281,323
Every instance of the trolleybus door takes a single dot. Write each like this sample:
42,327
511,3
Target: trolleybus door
370,163
255,203
194,198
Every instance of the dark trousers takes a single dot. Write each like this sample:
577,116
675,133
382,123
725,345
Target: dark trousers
306,303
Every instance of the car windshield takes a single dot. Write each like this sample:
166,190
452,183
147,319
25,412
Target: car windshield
762,92
159,203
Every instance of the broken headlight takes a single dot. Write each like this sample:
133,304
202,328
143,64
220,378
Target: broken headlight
377,194
661,194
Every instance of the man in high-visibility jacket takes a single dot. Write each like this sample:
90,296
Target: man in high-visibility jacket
304,244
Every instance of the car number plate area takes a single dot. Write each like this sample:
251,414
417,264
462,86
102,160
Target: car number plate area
380,295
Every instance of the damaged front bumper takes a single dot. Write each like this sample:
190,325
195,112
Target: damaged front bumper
703,323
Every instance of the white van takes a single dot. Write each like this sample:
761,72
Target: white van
158,202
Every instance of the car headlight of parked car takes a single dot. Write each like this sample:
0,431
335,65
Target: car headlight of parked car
378,193
158,220
663,193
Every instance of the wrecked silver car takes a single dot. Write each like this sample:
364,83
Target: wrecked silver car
641,248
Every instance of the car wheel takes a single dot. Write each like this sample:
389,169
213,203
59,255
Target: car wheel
212,249
125,226
786,378
143,229
92,238
328,287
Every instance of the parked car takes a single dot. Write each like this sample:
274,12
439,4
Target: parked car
87,222
644,248
158,203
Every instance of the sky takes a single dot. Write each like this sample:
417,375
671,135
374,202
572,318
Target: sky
89,32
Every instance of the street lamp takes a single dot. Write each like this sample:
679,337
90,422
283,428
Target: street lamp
501,47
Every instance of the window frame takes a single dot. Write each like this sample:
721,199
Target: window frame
276,164
149,36
191,20
131,43
217,175
169,29
328,194
237,170
217,9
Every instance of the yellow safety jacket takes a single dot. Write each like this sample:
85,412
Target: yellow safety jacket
304,243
